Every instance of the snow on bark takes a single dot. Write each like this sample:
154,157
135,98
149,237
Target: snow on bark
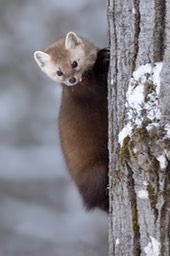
153,247
142,97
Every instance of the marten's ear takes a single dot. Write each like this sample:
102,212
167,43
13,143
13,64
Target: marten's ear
72,41
42,59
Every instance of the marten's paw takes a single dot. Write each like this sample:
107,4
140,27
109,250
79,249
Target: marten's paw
103,56
101,65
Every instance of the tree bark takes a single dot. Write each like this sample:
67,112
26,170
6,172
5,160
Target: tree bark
139,127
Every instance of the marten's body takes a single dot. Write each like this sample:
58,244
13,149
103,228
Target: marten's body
83,113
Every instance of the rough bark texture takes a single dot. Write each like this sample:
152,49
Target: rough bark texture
139,179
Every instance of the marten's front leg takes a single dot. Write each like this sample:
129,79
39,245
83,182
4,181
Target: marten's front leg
101,66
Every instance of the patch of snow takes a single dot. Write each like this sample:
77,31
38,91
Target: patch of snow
143,194
153,247
156,76
126,131
167,130
163,162
167,136
151,126
142,70
135,150
145,183
134,11
117,241
136,101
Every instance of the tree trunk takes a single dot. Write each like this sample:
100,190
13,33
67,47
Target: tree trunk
139,127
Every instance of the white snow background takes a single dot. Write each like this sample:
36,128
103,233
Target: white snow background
41,212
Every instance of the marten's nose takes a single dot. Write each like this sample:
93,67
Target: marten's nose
72,80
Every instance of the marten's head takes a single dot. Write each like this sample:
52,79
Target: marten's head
66,60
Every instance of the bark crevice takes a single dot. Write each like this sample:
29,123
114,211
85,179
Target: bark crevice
135,216
165,216
159,30
136,32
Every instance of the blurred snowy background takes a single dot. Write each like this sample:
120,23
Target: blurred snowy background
40,209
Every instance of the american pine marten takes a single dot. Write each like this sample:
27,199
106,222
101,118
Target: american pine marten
83,121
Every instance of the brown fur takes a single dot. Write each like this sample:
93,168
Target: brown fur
83,130
83,114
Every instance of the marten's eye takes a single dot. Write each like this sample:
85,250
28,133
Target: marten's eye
59,73
74,64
